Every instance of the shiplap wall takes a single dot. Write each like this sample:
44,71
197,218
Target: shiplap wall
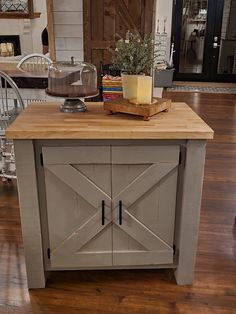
68,22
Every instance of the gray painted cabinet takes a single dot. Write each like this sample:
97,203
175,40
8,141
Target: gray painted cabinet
110,205
109,192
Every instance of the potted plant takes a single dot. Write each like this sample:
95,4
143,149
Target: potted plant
135,57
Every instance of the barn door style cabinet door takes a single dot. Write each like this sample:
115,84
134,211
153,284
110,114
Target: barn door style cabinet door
144,184
78,195
110,205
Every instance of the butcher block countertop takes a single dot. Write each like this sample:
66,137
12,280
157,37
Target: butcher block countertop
45,121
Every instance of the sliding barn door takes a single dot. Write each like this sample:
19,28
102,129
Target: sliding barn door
107,20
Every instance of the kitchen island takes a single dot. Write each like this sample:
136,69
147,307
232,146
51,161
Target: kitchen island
101,191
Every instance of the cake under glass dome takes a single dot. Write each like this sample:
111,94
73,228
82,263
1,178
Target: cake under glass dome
72,81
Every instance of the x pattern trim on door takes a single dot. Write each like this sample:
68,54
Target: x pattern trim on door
137,188
82,186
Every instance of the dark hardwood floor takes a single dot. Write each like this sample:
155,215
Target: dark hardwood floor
143,291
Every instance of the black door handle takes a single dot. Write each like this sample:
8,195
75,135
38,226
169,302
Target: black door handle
103,213
120,212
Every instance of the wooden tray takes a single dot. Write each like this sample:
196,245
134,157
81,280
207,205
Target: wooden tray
146,111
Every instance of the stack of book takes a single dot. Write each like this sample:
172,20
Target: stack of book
111,87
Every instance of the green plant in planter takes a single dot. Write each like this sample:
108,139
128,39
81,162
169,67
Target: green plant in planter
133,55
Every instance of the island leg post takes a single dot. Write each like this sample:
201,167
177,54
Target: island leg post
29,212
189,215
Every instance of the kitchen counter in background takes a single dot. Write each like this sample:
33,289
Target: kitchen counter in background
24,79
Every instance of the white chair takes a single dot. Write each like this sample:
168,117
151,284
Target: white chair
35,62
9,110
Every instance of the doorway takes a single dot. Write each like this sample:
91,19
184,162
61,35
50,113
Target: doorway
204,34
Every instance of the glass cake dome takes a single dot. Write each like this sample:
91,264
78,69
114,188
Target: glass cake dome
72,81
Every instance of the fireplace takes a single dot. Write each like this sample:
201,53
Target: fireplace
10,45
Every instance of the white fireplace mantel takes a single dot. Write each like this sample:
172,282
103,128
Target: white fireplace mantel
21,27
29,30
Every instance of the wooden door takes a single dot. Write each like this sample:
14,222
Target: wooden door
78,192
144,183
105,21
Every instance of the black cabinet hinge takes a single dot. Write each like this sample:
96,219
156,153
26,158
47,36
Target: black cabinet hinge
180,158
49,253
41,159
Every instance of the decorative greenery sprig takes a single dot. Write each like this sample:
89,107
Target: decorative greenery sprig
134,55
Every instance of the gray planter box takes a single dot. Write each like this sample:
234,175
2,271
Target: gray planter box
164,78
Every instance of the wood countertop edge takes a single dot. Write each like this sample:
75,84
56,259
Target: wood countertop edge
101,136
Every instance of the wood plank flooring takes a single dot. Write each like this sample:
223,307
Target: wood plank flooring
143,291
